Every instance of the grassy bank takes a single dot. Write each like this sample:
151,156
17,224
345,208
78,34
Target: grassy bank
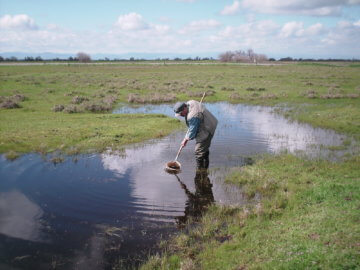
77,133
68,109
340,115
308,218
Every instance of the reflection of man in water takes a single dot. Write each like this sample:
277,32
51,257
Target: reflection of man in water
197,202
202,125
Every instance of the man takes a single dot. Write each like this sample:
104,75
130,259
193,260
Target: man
201,127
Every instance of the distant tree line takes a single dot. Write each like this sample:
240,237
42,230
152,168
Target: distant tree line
290,59
248,56
80,57
36,59
87,58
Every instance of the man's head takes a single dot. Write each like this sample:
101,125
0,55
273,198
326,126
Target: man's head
180,108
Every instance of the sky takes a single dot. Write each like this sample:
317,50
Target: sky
276,28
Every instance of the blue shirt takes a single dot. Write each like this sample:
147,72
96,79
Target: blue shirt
193,125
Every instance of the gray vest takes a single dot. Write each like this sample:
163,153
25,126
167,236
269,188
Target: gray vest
208,122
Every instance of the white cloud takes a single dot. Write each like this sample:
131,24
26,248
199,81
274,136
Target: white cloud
257,29
134,34
296,29
131,22
315,29
312,8
21,21
161,29
256,35
291,39
292,29
232,9
345,36
196,26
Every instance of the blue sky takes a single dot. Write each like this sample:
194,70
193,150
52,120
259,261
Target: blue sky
277,28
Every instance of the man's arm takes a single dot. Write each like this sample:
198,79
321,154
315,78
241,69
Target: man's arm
194,125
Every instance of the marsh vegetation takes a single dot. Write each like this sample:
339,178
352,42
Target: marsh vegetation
47,92
308,215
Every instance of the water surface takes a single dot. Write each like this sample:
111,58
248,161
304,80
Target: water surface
95,211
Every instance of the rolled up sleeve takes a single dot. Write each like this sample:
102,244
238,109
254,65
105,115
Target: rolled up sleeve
194,124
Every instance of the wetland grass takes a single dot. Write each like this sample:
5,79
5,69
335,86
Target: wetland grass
60,108
308,217
79,132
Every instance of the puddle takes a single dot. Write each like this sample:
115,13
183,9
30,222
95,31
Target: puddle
98,210
247,130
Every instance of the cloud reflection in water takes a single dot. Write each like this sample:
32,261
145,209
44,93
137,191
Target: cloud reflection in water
20,217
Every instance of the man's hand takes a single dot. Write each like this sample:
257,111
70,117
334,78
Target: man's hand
184,142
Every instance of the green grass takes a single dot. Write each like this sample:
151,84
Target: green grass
308,215
49,85
308,218
328,64
341,116
78,133
35,127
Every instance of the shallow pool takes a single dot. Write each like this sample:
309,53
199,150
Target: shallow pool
94,211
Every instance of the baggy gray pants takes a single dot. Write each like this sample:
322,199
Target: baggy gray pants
202,151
